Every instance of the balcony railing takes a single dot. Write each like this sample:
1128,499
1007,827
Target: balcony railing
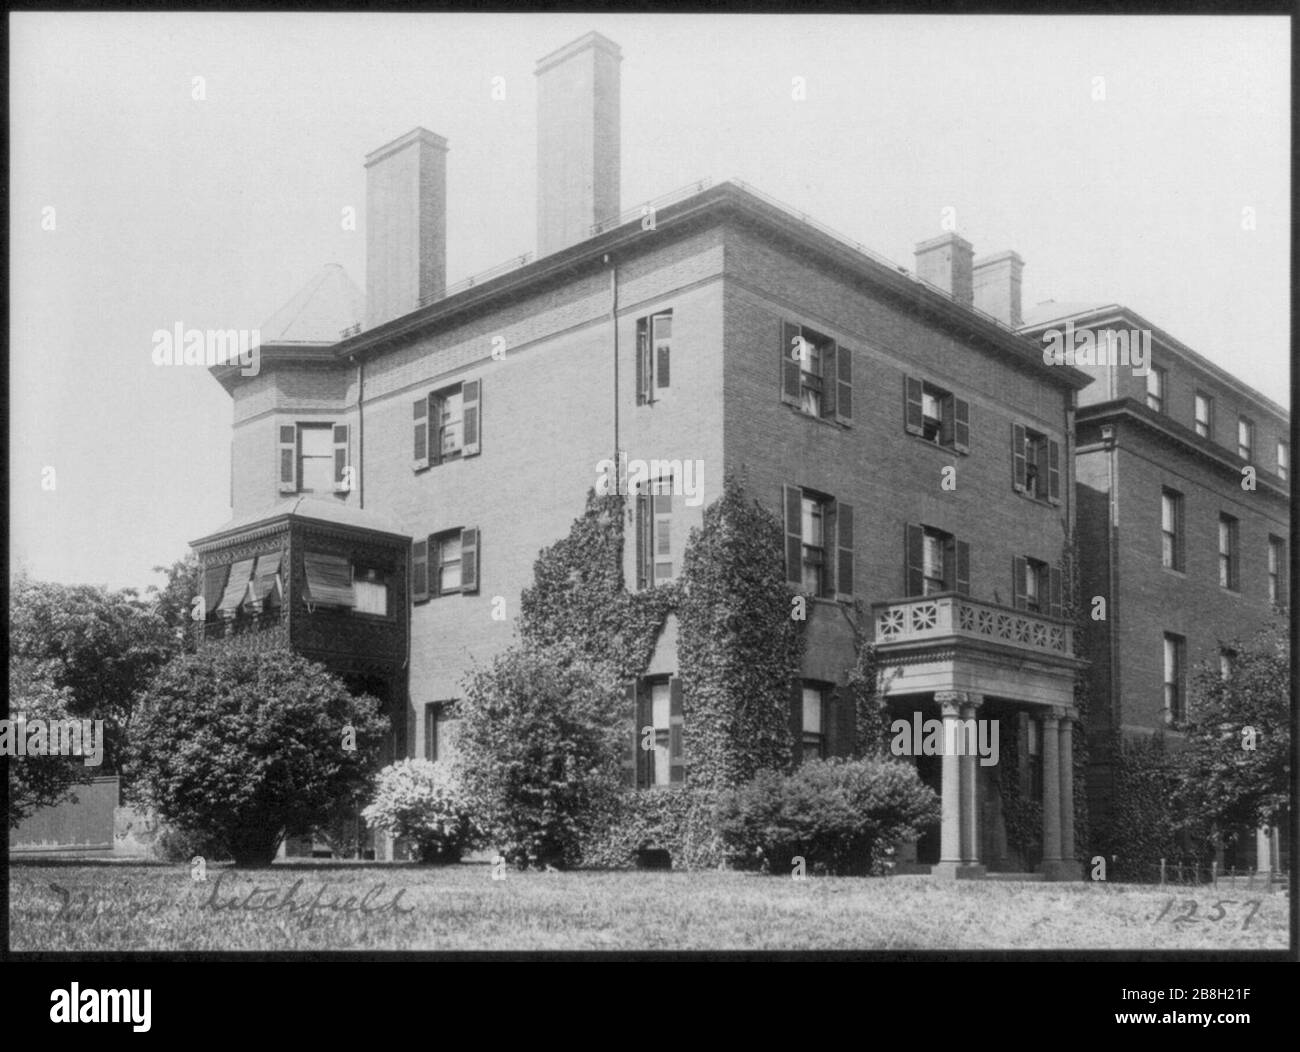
247,624
936,617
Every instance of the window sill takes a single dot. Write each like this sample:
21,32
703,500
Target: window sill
941,446
1046,502
1176,572
839,425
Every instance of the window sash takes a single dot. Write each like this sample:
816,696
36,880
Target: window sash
1203,404
1155,388
1245,438
448,563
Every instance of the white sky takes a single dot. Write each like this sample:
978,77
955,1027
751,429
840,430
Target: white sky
214,213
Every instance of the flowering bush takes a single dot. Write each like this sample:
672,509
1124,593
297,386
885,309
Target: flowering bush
420,801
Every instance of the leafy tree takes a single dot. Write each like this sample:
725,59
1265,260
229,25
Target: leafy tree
250,747
101,646
40,781
173,602
421,801
1236,767
538,751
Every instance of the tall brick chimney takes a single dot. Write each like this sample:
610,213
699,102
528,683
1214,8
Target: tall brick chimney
577,140
406,224
945,261
997,287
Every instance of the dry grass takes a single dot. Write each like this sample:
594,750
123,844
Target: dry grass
134,907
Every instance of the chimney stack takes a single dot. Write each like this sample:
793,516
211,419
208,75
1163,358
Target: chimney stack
577,141
945,261
406,224
997,287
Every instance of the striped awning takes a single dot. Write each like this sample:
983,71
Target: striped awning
265,575
236,586
329,579
214,584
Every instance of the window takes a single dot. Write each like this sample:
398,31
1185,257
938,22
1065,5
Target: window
1227,660
1157,379
936,415
370,591
1036,586
1276,571
819,543
1171,529
1035,464
812,739
1228,561
446,424
1283,460
1175,700
654,348
431,713
1204,415
654,517
816,374
660,745
935,562
315,458
451,564
1245,438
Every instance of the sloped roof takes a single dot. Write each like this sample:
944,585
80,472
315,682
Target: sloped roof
1050,310
317,508
327,305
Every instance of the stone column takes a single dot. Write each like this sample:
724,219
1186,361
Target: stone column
1067,785
1262,845
1050,722
950,853
970,849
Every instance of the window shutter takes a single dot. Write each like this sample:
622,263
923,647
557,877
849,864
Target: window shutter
844,560
631,763
407,748
1054,471
961,425
420,570
435,423
342,484
830,374
963,567
469,546
1054,587
912,405
950,565
644,536
471,406
914,559
1018,457
947,420
420,415
844,385
1018,566
676,721
643,363
796,721
793,535
288,459
645,758
790,365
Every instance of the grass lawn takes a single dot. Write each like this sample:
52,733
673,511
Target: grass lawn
153,907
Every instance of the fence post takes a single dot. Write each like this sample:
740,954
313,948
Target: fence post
1214,872
1162,872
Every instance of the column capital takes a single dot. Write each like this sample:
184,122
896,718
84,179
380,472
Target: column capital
1068,714
1052,714
950,697
972,702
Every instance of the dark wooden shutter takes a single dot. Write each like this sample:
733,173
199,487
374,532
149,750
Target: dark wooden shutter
1018,456
1054,471
420,418
914,559
844,555
469,545
406,748
961,425
793,535
288,445
830,374
844,385
1018,566
420,569
791,367
912,406
645,758
631,764
949,565
644,539
947,420
342,484
643,362
796,721
676,727
1054,591
963,567
472,407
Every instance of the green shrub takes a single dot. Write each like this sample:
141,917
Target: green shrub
678,819
420,801
841,817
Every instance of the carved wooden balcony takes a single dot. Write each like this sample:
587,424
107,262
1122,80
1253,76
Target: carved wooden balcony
948,617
